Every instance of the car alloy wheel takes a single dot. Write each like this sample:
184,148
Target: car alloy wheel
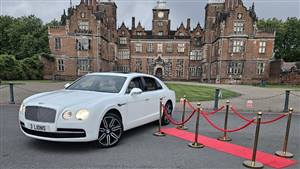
110,131
169,109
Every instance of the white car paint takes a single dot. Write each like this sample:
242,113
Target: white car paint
135,110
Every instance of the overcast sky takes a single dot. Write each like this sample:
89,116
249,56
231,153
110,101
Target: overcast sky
142,9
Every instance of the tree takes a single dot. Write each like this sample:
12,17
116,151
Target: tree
10,68
287,40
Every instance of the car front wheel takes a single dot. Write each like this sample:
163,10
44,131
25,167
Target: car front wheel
110,131
169,109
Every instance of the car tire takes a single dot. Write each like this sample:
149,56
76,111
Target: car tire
110,131
169,108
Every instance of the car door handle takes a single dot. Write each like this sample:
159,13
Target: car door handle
121,104
147,99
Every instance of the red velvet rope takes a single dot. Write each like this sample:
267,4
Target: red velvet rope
232,130
207,113
214,112
165,112
263,122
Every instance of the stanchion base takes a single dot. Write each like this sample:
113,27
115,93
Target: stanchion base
182,127
284,154
252,164
159,134
195,145
224,138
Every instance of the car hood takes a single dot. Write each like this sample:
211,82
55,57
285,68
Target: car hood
67,98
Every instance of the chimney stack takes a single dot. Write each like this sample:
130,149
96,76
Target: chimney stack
94,4
133,23
90,2
87,2
188,24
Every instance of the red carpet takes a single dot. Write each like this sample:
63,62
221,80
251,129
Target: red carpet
233,149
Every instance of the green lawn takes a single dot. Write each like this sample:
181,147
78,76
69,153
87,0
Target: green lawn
198,93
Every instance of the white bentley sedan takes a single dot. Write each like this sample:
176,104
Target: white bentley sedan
97,107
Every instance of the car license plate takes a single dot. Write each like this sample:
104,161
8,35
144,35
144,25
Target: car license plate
37,127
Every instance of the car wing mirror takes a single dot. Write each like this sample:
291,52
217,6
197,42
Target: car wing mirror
67,85
135,91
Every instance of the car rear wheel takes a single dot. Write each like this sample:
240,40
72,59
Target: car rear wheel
169,109
110,131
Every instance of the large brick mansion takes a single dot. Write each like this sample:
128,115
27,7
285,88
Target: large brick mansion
228,49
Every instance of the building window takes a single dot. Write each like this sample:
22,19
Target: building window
181,34
238,27
150,66
83,44
160,33
260,68
123,68
83,26
123,54
83,65
160,47
139,33
138,47
237,46
181,47
138,64
262,47
123,40
235,68
168,68
179,68
196,55
57,43
160,24
195,71
239,16
169,47
198,41
60,65
150,47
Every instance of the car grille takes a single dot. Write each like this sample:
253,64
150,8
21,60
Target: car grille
40,114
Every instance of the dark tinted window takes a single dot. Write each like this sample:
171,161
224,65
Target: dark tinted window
99,83
134,83
151,84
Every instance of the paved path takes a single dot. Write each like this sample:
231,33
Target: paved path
264,99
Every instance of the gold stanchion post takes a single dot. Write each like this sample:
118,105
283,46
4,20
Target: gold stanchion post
196,144
284,152
159,133
252,163
183,127
225,137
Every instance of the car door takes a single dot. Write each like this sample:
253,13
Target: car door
135,103
153,93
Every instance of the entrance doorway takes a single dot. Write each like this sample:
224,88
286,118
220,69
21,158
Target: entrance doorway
159,73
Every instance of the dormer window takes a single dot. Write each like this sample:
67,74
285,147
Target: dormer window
238,27
198,33
83,26
181,34
139,33
160,33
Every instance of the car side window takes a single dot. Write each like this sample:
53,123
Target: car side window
151,84
134,83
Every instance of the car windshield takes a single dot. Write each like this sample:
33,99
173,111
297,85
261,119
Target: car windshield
99,83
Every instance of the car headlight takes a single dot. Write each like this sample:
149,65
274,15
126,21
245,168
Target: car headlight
67,115
22,108
82,115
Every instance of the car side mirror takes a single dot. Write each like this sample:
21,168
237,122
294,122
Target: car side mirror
67,85
135,91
